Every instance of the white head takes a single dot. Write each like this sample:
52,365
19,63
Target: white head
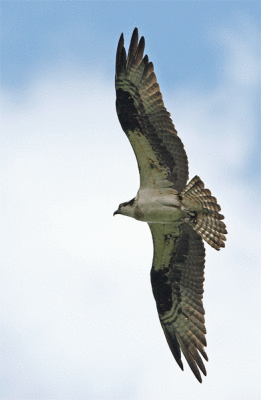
128,209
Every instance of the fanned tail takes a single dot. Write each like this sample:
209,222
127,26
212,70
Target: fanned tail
203,213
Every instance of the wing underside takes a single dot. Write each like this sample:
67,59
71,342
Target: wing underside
159,151
177,278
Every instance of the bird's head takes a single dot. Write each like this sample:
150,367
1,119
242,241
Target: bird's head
127,208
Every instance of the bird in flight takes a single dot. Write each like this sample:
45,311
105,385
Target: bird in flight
180,214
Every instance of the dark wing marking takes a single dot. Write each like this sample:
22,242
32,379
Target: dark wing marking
160,153
177,277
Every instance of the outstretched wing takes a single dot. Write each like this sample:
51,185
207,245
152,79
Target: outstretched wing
177,277
160,153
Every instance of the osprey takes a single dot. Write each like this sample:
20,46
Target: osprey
179,215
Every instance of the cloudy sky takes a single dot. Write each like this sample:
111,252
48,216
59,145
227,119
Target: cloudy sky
79,320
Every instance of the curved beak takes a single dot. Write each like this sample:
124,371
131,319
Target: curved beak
116,212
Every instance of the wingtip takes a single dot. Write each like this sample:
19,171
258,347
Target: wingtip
180,364
120,55
133,43
135,31
121,41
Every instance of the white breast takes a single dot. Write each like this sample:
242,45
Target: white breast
159,206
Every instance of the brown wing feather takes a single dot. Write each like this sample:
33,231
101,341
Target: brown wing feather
177,278
159,151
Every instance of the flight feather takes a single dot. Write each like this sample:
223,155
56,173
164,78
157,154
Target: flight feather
160,153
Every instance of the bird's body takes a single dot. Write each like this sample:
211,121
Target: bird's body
155,205
179,215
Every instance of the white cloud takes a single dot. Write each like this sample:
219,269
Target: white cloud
241,48
78,312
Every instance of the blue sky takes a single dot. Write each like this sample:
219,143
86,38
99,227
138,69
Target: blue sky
78,317
36,34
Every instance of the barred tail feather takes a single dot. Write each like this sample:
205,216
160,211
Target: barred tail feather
203,213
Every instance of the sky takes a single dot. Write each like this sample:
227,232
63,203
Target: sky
78,318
